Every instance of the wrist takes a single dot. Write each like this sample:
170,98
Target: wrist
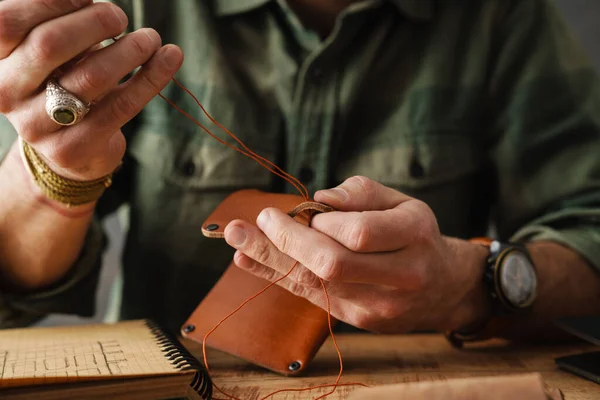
68,192
32,192
472,307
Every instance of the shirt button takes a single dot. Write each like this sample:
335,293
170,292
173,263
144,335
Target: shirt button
189,168
316,74
306,175
416,169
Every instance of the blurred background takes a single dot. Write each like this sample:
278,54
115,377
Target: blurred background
583,17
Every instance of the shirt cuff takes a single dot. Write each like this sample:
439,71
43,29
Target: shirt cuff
582,237
74,294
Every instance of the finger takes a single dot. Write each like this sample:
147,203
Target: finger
92,78
349,291
18,18
341,309
123,103
371,231
57,41
101,71
324,256
361,194
248,239
78,58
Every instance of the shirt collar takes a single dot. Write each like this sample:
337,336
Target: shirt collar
416,9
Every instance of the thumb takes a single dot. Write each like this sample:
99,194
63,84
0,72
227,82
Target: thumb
360,193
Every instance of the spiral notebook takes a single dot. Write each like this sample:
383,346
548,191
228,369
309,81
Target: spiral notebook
125,360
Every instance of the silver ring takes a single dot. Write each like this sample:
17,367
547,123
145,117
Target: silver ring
62,106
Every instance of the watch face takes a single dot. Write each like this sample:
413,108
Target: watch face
517,279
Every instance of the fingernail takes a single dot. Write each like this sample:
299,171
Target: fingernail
263,219
171,57
236,236
336,194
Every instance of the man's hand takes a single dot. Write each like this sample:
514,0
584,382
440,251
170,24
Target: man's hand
381,257
39,38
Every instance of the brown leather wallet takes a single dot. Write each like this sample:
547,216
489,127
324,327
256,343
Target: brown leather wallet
277,330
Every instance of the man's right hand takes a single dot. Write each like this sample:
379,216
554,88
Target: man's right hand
39,37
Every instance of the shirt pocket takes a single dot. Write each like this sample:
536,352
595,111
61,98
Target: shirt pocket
439,168
193,160
414,163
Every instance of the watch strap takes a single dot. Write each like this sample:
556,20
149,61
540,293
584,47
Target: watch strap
481,331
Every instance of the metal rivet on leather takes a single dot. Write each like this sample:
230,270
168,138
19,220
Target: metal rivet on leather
294,366
212,227
189,328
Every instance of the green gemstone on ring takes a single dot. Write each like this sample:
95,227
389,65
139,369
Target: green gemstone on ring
64,116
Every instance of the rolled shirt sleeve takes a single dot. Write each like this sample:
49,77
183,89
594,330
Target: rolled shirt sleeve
76,292
546,144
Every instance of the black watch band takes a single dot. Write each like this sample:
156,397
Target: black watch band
494,277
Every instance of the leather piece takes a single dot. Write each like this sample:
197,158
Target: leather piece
246,205
311,206
273,330
277,328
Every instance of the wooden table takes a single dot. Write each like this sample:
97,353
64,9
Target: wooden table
377,360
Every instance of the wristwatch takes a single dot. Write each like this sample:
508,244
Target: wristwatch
511,282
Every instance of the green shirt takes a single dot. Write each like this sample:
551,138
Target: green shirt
485,109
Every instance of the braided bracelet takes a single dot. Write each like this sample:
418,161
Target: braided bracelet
66,191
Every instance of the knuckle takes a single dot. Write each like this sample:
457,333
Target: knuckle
117,145
123,107
265,273
296,288
306,278
92,79
425,220
331,268
107,16
366,184
262,252
27,129
282,240
138,47
44,45
415,279
141,45
387,310
360,234
148,82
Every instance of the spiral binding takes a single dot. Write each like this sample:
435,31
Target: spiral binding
182,360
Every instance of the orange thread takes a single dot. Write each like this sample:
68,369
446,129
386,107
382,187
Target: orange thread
276,170
304,193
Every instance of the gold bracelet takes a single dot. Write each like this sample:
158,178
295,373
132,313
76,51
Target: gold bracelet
67,191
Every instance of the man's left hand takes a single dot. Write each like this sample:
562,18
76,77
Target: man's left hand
381,256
